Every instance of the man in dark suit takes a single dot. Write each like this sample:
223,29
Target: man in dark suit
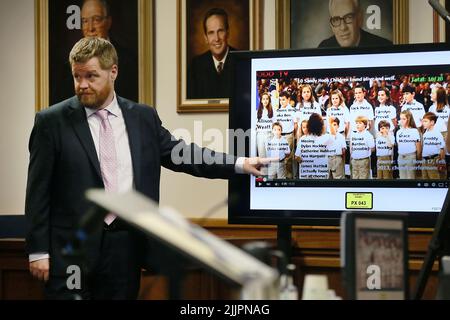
97,139
346,20
209,75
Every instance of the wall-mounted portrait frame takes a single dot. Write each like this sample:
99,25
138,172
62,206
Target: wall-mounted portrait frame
293,15
59,25
245,33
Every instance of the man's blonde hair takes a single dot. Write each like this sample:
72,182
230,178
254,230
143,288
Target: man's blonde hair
91,47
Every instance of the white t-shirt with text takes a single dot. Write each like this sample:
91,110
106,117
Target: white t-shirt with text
407,139
306,110
357,109
433,142
385,145
361,144
341,113
277,148
386,113
417,110
338,143
264,124
286,117
443,115
313,150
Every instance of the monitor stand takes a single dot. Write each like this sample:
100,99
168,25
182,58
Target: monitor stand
284,240
439,246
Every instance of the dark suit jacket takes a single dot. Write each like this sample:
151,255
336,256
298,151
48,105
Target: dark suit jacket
203,80
64,164
367,40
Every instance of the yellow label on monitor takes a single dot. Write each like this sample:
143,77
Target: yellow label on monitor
359,200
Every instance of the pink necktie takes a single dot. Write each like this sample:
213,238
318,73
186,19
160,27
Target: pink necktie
108,157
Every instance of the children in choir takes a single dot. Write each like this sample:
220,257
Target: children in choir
352,130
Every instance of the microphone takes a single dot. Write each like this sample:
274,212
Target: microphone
440,10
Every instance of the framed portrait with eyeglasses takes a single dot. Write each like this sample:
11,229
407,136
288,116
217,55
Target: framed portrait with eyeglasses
126,24
208,30
374,255
305,24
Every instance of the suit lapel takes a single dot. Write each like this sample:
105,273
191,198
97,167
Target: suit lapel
132,123
81,127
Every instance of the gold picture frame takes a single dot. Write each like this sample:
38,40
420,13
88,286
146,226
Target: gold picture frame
145,52
255,27
400,24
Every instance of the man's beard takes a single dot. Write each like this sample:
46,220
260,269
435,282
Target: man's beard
91,99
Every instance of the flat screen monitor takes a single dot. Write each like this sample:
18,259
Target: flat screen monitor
348,129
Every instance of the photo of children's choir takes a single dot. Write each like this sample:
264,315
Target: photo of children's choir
371,129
